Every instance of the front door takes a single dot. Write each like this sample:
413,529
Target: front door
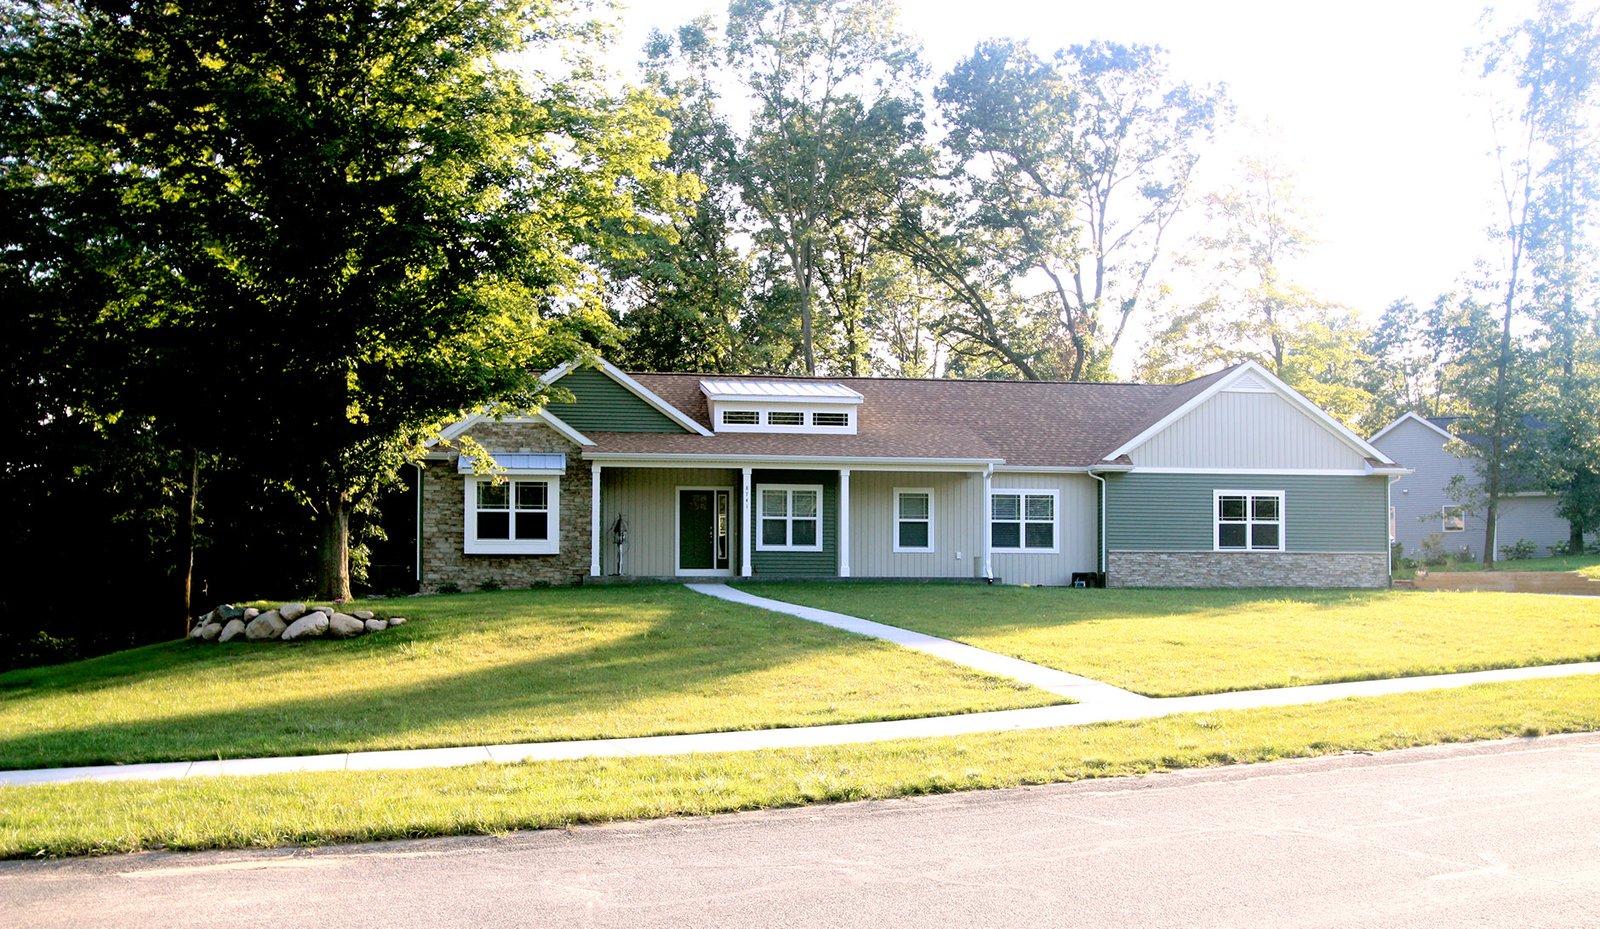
703,530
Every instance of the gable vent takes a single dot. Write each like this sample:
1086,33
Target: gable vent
1248,383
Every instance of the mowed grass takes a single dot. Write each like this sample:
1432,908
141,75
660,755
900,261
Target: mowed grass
98,818
512,666
1176,642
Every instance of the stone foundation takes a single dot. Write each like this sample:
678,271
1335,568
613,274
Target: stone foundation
1246,569
444,518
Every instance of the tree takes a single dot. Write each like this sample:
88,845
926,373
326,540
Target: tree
1542,79
1075,169
306,232
834,141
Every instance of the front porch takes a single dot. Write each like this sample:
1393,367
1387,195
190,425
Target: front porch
668,520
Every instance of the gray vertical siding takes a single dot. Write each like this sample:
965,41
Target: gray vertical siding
1173,512
798,564
647,499
1246,430
957,525
1076,525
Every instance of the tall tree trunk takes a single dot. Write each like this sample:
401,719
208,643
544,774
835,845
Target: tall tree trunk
803,281
333,548
186,512
1497,441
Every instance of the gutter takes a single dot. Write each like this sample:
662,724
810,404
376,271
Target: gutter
711,460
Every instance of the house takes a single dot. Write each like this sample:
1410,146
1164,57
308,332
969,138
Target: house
1233,479
1426,510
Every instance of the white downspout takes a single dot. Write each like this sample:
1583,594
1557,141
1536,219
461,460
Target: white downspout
1102,523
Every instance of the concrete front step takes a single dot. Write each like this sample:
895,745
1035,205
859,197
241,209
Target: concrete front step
1526,582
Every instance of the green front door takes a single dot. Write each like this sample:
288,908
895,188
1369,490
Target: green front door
703,531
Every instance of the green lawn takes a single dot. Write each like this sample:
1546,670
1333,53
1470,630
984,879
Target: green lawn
91,818
1176,642
512,666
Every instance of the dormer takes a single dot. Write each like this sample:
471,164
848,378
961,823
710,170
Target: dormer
781,406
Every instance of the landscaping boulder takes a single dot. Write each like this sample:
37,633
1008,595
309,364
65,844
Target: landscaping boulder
342,626
231,630
397,620
198,628
228,612
268,625
377,625
310,626
292,611
210,631
362,615
250,613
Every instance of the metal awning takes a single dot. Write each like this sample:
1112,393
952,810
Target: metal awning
519,463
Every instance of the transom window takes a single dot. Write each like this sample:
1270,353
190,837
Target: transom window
791,517
1022,521
1455,518
1249,521
913,519
513,516
740,417
786,418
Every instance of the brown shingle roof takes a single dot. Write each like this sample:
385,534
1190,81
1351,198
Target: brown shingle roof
1028,423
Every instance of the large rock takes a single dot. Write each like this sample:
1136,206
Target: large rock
363,615
210,631
292,611
228,612
342,626
310,626
250,613
377,625
199,627
267,626
397,620
232,630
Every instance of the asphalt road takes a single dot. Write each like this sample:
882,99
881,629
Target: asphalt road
1495,834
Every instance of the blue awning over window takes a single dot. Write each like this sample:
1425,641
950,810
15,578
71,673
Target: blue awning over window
520,463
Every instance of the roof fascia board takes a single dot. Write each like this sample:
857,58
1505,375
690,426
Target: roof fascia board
1279,387
1409,416
456,429
639,390
573,435
670,460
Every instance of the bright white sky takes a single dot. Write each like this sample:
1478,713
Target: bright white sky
1371,99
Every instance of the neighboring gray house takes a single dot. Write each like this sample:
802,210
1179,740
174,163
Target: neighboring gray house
1232,479
1424,508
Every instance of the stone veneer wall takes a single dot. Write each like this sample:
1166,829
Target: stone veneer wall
1246,569
444,514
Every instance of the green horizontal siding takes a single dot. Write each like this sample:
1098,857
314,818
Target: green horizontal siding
798,564
1172,512
602,405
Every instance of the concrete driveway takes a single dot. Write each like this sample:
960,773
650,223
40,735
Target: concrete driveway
1494,834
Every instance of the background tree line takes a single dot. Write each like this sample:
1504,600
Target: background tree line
256,252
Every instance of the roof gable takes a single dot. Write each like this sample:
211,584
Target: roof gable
607,400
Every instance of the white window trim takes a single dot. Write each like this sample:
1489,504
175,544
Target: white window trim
1444,517
763,411
788,518
472,545
1022,520
896,520
1282,522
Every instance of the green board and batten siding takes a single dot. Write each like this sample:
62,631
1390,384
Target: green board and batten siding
798,564
1173,512
603,405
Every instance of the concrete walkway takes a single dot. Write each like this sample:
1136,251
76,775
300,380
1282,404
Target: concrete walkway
1098,703
1081,689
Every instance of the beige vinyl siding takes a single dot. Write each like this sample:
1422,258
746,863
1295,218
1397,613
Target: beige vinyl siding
957,524
1077,512
647,498
1247,430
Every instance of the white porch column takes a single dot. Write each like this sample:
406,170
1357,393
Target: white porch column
988,513
745,543
594,519
844,522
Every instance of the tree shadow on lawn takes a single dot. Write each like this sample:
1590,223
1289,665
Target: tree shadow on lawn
615,684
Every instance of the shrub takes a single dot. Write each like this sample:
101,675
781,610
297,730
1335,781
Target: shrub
489,586
1520,550
1433,553
450,588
